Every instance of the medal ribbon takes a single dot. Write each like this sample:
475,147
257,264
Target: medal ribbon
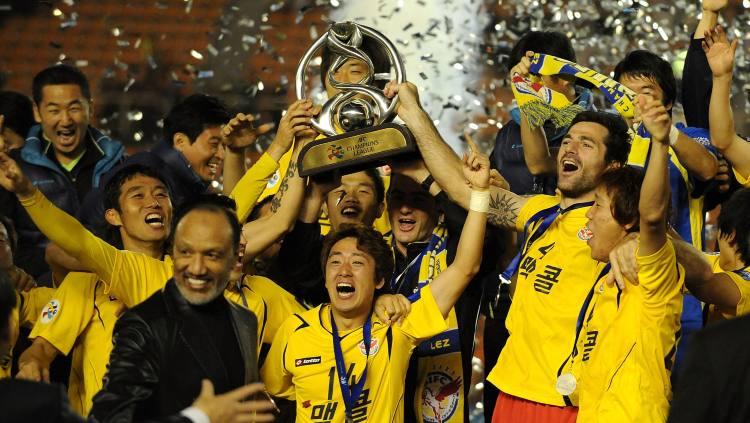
350,394
409,273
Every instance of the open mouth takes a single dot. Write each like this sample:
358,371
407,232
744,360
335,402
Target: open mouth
569,166
155,220
345,290
197,283
66,136
350,211
213,168
406,224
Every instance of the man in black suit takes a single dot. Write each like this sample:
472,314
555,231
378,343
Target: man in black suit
714,385
187,332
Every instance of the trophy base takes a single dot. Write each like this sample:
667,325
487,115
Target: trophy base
356,150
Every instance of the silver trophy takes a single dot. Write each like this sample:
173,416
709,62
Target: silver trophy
356,121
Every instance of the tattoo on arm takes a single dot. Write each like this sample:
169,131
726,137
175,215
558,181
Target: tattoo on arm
503,210
290,173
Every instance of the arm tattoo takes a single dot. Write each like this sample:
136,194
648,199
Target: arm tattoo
276,202
503,211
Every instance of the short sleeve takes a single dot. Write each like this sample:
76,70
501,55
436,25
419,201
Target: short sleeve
534,205
741,279
274,373
251,185
659,272
743,180
425,319
68,313
34,302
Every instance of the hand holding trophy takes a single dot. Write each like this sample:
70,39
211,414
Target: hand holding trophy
356,119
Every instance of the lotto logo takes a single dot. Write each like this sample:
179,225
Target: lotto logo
306,361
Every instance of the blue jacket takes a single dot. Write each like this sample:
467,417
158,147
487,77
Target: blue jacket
49,178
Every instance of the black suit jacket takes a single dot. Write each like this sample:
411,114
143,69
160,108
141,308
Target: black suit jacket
22,401
714,383
161,353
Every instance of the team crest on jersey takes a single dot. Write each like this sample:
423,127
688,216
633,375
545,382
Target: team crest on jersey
440,396
50,311
374,347
585,233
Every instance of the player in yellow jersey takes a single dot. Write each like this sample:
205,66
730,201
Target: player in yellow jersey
339,361
720,55
138,207
555,263
626,338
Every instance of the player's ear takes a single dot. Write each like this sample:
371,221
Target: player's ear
112,217
380,284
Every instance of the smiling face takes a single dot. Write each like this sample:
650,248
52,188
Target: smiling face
64,114
644,86
145,213
580,160
205,154
350,279
412,211
203,255
606,232
355,201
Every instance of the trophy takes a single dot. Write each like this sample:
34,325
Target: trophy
355,122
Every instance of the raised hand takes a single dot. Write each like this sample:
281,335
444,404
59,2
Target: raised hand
522,67
240,132
235,405
719,51
476,167
296,122
656,118
392,308
714,5
12,178
408,97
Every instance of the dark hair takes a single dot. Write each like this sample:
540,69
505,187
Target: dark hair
618,136
623,185
18,111
7,304
10,228
377,181
59,75
546,42
644,64
215,203
193,115
113,187
368,240
255,212
380,61
734,218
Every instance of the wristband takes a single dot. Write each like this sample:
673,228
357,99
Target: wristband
674,133
480,201
427,183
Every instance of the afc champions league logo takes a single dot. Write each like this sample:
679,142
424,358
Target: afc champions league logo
440,396
335,152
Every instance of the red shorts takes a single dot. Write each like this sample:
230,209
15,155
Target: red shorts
510,409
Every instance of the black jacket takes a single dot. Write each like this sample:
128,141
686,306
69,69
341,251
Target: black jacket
161,353
714,383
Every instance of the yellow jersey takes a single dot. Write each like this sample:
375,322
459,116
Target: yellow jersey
741,279
83,324
301,363
554,277
743,180
29,307
628,342
253,183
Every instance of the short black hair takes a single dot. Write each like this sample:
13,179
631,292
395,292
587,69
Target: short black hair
623,186
644,64
368,240
734,218
113,188
10,228
193,115
60,74
377,181
18,111
8,302
216,203
618,135
546,42
380,61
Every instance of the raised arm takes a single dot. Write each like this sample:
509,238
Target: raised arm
654,201
449,285
720,55
443,163
700,162
237,135
61,228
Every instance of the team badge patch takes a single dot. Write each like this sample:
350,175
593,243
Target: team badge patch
273,180
440,396
374,347
306,361
50,311
585,233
